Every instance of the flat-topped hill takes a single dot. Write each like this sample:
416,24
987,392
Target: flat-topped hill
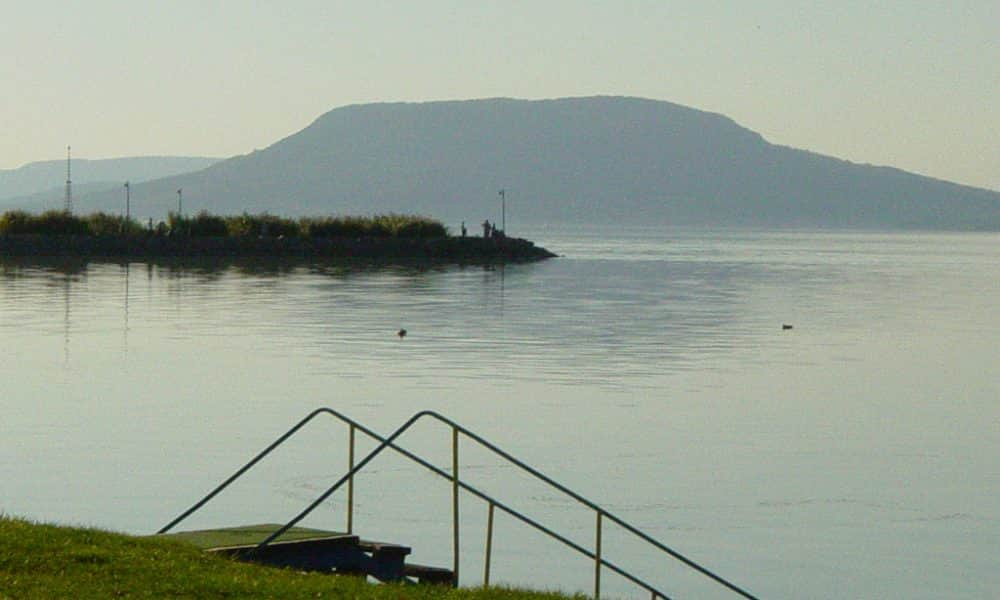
582,160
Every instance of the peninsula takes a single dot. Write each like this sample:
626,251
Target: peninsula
378,238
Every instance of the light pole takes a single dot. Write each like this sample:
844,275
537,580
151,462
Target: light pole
180,199
503,211
128,203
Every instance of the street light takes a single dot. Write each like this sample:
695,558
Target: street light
503,211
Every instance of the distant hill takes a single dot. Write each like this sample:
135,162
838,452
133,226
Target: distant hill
596,159
41,185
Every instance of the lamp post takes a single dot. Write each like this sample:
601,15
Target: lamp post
503,211
180,199
128,203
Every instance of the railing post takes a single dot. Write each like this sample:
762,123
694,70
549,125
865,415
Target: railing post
454,499
350,480
597,560
489,546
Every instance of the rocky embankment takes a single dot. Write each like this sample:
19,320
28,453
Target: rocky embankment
444,249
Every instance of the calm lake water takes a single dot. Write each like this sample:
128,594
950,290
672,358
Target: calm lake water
853,456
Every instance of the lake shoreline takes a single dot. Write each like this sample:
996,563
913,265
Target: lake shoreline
436,249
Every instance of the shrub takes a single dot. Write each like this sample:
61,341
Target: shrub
335,227
246,225
60,222
104,224
200,225
15,222
53,222
379,226
420,227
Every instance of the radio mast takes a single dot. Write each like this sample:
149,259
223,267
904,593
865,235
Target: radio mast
68,206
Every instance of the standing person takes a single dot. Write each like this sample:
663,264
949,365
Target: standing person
463,229
486,228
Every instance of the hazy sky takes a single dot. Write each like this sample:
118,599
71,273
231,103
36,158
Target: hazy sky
909,83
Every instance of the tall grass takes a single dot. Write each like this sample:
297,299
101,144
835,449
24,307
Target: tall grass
204,224
57,222
246,225
200,225
379,226
103,224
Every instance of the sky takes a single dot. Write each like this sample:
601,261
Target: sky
908,83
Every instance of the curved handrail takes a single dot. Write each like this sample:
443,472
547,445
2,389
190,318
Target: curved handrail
625,525
388,443
239,473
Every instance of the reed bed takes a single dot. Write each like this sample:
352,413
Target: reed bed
204,224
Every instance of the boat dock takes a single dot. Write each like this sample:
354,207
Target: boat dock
318,550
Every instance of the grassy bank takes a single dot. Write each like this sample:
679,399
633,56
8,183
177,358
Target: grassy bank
46,561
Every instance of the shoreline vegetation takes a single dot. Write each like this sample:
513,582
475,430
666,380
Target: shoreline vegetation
378,237
49,561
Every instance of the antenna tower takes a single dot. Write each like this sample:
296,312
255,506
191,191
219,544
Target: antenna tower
68,207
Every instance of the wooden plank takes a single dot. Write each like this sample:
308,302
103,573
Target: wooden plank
383,547
246,535
339,553
425,574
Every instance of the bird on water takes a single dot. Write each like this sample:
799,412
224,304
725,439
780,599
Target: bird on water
401,333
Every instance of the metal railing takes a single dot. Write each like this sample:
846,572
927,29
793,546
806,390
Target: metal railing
457,484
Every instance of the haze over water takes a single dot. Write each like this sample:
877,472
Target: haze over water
851,456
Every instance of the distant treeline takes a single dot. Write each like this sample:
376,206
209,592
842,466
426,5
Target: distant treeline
203,224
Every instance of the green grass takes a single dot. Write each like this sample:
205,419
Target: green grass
47,561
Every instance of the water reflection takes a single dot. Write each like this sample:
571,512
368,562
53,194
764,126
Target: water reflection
125,276
593,320
473,320
12,268
66,318
214,268
212,296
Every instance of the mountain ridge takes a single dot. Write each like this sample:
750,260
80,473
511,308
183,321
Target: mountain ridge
569,160
31,183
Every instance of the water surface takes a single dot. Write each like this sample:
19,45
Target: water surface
851,456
